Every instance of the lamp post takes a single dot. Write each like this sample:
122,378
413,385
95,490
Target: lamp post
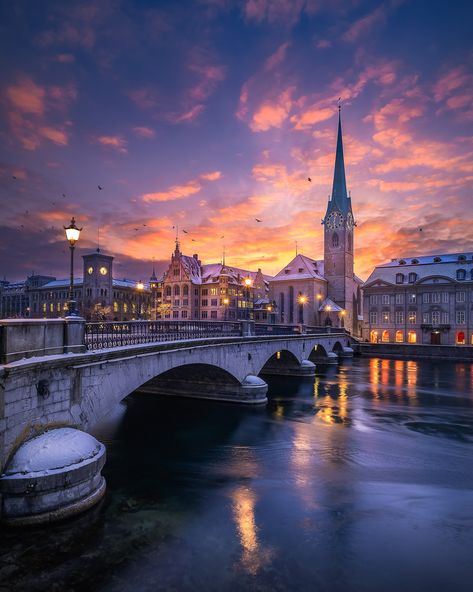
140,287
319,298
342,318
226,302
72,235
327,309
247,296
301,300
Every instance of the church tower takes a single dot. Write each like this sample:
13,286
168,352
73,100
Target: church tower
339,227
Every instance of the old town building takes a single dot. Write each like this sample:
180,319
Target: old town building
427,300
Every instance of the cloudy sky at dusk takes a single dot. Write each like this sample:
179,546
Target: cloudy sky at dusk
211,113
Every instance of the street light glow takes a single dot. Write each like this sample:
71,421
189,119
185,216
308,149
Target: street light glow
72,232
247,282
140,285
302,299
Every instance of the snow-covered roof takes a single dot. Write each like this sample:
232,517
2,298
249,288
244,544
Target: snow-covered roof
61,284
331,305
301,268
445,266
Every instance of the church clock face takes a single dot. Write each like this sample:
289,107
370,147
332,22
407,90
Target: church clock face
350,221
103,270
335,220
90,270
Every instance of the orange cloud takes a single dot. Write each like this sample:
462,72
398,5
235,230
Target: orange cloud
213,176
57,136
312,116
26,96
272,114
187,116
114,142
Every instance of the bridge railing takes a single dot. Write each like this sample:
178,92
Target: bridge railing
270,329
108,334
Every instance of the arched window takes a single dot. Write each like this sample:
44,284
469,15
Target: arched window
168,291
399,278
186,290
335,240
281,305
461,274
291,304
374,336
350,242
385,336
412,337
399,336
177,290
412,277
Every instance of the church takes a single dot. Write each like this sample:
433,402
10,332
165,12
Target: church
325,292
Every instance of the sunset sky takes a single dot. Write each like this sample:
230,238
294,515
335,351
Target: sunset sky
208,114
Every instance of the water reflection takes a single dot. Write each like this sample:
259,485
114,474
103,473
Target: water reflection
253,556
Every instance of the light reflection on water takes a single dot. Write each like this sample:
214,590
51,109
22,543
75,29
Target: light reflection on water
361,479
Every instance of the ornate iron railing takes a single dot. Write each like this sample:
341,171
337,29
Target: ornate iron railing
109,334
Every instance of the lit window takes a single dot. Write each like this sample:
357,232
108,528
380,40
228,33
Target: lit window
460,338
385,336
399,336
412,337
374,336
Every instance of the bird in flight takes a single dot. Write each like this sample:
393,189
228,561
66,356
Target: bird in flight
193,240
309,179
13,177
100,188
258,220
63,195
185,231
420,229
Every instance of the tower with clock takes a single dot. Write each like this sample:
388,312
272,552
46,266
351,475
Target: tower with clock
339,230
98,283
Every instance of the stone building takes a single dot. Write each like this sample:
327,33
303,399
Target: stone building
215,291
97,293
427,300
15,297
325,292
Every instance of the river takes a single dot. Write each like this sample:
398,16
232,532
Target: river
360,480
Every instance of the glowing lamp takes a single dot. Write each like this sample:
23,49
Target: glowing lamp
72,232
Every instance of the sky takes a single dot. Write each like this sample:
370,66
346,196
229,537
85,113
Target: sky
210,114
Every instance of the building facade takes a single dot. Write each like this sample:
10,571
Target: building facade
215,291
97,294
426,300
325,292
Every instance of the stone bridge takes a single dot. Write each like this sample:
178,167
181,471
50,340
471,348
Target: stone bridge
53,390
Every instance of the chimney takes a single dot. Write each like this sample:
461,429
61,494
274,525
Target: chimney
196,256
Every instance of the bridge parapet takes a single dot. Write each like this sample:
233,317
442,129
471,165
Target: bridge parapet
28,338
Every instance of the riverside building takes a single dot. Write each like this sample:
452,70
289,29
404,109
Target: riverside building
426,300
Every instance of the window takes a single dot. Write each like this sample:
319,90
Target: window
412,337
125,307
205,292
196,303
184,314
460,317
460,340
399,298
213,314
374,318
399,336
437,259
214,302
425,297
374,336
350,242
399,316
399,278
185,302
115,307
412,299
412,317
177,302
177,290
385,317
385,299
175,314
205,302
435,297
436,317
445,318
385,336
176,271
445,297
426,318
185,291
460,296
301,270
204,314
335,240
461,275
412,277
167,292
213,291
374,299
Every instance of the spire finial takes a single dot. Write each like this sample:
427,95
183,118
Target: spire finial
296,248
223,259
339,105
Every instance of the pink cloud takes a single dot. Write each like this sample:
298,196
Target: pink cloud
26,96
213,176
312,116
209,76
57,136
188,116
364,25
272,113
117,143
144,132
449,82
277,57
174,192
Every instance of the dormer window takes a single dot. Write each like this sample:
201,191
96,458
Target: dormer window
437,259
301,269
415,261
461,275
399,278
287,271
461,257
412,278
402,262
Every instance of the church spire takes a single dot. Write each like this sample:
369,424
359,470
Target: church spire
339,188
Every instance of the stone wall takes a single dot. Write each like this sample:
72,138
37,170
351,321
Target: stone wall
405,350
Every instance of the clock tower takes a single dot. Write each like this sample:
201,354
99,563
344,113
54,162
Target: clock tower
339,226
98,283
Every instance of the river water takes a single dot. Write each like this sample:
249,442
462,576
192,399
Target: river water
361,480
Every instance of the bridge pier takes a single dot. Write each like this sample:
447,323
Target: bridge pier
252,390
305,369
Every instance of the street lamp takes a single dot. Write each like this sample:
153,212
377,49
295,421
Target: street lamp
226,302
248,285
72,235
327,309
342,317
140,287
301,299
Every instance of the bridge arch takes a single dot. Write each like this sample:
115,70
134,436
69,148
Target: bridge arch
280,361
318,352
337,347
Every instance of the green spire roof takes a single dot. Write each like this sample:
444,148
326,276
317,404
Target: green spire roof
340,199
